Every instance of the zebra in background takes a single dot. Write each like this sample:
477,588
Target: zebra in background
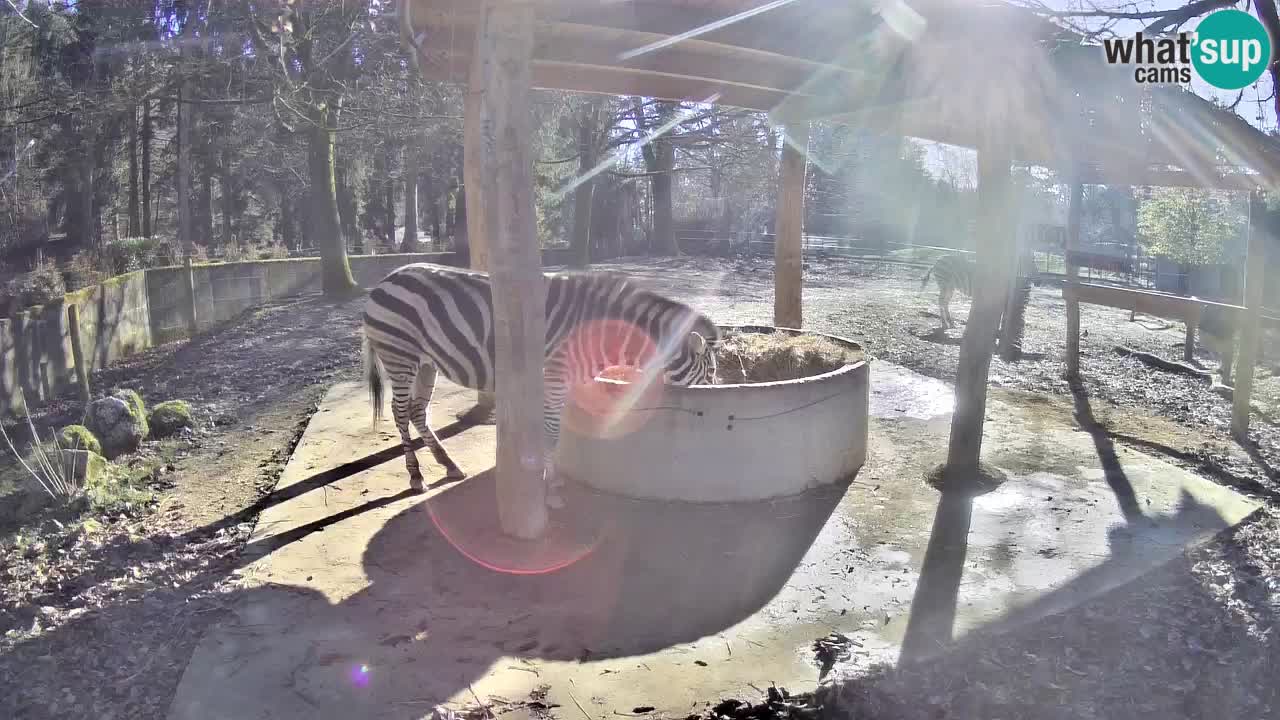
423,319
954,273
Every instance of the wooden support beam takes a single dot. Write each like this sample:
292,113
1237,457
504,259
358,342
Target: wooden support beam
1260,229
788,273
505,45
1074,210
473,187
995,243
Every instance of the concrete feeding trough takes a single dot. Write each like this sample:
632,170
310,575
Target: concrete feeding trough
742,442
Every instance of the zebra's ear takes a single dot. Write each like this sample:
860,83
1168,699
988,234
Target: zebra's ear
697,343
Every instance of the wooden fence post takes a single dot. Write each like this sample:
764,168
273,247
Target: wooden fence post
1260,229
1192,321
1074,208
189,278
77,352
788,246
994,244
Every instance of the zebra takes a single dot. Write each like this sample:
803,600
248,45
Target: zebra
952,273
424,319
955,273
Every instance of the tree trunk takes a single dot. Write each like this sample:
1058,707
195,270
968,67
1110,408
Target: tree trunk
1262,227
204,209
228,197
430,210
348,204
135,225
336,277
389,205
478,231
409,242
307,241
79,223
461,227
145,189
186,240
663,221
287,236
584,193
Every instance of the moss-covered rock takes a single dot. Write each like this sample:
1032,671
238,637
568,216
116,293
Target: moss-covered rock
117,423
168,418
78,437
135,401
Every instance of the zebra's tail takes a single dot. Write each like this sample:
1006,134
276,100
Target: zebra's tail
373,373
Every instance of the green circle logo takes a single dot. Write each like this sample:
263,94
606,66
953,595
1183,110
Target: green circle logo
1231,49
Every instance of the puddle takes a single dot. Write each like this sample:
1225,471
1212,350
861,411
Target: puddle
899,393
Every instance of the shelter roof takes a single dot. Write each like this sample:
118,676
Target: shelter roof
966,72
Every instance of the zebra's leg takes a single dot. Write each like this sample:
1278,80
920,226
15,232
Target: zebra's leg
944,308
423,387
1228,354
401,397
552,408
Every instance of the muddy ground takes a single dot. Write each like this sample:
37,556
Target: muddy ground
99,620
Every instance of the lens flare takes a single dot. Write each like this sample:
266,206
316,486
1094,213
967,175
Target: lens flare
360,675
614,401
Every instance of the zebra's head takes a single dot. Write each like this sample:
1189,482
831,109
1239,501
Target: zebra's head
694,359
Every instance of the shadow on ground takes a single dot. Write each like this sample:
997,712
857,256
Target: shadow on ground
650,575
1178,642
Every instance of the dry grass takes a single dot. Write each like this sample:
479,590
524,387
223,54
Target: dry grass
769,357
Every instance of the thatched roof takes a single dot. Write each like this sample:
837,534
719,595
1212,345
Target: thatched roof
956,71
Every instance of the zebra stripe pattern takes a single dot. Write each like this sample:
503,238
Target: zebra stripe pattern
952,273
425,319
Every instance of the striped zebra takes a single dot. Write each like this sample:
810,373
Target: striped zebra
952,273
423,319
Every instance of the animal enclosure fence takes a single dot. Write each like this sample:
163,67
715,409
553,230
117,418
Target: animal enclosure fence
130,313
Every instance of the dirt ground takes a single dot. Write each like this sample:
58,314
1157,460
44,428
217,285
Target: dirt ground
99,621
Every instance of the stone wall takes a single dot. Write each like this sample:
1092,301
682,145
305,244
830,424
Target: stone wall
139,310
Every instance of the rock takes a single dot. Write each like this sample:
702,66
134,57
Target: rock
78,437
168,418
119,427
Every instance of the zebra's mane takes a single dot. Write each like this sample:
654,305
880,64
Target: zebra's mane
615,280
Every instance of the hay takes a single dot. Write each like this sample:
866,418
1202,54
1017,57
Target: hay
746,357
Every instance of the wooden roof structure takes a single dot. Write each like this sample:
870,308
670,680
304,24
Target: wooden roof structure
964,72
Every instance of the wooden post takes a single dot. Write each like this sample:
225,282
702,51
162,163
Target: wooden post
505,48
77,352
995,242
473,188
1074,209
1260,228
788,277
1192,321
189,286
